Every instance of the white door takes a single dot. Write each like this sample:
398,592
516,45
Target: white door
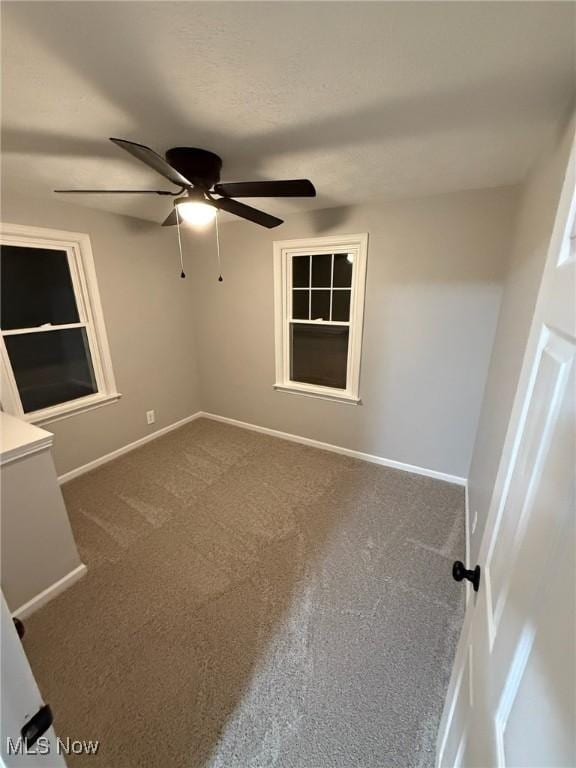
20,700
511,699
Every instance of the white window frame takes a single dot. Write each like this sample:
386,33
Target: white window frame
284,251
83,274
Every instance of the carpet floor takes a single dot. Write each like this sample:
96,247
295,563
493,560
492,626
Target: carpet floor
253,603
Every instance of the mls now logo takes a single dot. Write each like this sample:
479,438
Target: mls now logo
43,746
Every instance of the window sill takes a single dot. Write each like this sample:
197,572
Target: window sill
347,398
73,408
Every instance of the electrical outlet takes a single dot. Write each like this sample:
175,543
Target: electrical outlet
150,417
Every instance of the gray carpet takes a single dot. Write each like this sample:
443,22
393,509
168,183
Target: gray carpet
253,603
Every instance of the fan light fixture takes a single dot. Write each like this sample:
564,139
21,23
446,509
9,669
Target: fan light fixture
195,212
197,174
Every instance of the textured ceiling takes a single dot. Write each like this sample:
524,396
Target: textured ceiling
369,100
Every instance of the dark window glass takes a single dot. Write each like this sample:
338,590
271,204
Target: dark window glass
321,270
319,354
36,288
301,271
341,305
300,305
320,305
51,367
342,270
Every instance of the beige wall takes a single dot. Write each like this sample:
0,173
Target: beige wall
435,268
148,313
538,204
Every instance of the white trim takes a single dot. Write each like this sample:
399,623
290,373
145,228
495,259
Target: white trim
467,536
67,476
455,479
71,408
85,285
323,393
19,439
25,450
50,592
284,251
393,464
42,329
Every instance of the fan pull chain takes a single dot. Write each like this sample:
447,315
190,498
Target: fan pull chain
220,278
182,274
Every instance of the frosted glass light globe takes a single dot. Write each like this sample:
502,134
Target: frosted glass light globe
197,213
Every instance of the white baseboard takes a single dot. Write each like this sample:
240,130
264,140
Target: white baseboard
455,479
125,449
339,449
50,593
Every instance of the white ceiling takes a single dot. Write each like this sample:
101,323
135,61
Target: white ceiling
369,100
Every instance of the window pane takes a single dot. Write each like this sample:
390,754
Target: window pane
300,305
319,355
36,288
341,305
320,305
300,271
342,270
51,367
321,270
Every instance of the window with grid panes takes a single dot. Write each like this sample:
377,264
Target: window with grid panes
319,310
53,348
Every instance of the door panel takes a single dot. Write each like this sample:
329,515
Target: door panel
520,626
455,746
20,699
537,730
525,507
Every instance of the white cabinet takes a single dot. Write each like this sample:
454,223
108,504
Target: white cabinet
39,555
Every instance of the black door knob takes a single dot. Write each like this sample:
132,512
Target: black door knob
460,572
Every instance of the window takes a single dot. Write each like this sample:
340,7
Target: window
54,353
319,298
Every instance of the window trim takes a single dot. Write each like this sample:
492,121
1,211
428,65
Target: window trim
83,275
284,250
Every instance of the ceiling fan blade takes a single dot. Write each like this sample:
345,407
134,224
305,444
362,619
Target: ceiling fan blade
115,192
289,188
153,160
171,220
246,212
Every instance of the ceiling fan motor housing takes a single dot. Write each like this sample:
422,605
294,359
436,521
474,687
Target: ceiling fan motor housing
200,166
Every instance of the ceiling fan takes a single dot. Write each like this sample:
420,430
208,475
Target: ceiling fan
197,173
